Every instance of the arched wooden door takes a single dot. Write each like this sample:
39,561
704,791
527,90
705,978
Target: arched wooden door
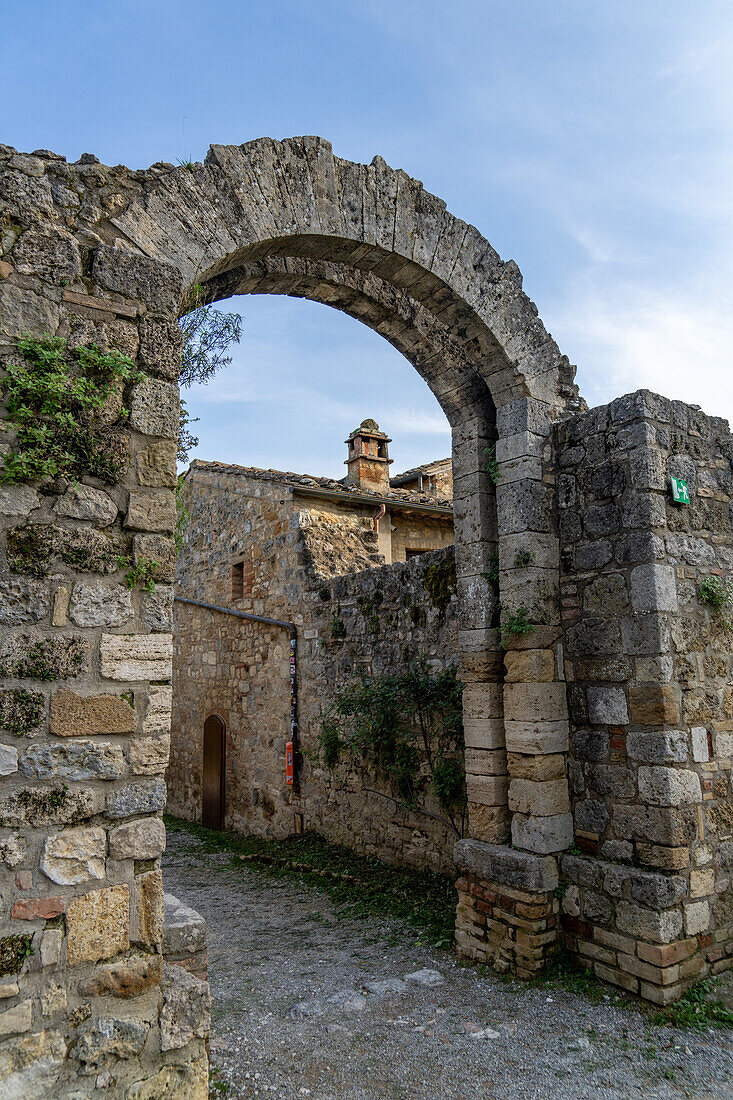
214,773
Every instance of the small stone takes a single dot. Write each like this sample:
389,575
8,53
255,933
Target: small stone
30,1066
23,600
53,999
306,1009
8,989
157,609
127,978
75,760
158,715
426,977
18,500
60,606
75,715
348,1000
8,759
74,856
485,1033
144,839
85,502
144,797
15,1020
12,850
149,908
186,1011
109,1039
98,925
96,604
184,930
51,941
700,750
149,755
384,986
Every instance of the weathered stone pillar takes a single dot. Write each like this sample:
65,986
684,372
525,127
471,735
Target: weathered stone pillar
86,652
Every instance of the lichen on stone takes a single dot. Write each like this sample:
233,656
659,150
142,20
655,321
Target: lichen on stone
14,950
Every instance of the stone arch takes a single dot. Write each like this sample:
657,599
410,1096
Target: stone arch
291,218
108,255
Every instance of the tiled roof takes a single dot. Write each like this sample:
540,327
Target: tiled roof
407,496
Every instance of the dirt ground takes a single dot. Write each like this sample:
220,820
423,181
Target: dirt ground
307,1003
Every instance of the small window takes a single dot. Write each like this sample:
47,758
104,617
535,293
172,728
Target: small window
411,553
238,580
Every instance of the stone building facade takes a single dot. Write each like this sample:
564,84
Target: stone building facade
311,552
591,706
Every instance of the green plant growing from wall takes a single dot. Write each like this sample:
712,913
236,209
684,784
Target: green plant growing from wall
140,574
515,625
407,731
440,582
338,627
719,596
523,559
492,465
54,398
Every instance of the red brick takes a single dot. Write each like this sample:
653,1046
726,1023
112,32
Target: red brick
37,908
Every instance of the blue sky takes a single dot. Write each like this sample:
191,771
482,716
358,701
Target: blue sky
590,142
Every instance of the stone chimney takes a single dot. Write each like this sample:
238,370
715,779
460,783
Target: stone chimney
368,462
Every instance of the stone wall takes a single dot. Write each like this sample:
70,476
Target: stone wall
372,620
85,708
649,668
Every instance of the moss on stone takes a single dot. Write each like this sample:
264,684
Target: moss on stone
29,550
31,547
52,659
440,582
20,710
14,950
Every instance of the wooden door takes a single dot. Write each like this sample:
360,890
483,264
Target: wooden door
214,773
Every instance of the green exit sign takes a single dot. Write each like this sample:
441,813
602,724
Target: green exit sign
680,492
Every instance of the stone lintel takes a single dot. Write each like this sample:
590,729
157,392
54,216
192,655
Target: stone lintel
503,865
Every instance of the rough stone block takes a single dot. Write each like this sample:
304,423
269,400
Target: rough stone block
144,797
158,714
160,346
543,834
136,657
75,715
156,465
487,790
143,839
669,786
536,738
74,760
184,931
151,510
659,747
149,755
607,706
539,799
501,864
483,701
483,733
86,502
536,768
653,588
127,978
108,1040
657,926
156,548
545,702
697,918
98,925
75,855
186,1011
98,604
529,666
700,749
8,760
654,704
148,926
15,1020
157,284
154,409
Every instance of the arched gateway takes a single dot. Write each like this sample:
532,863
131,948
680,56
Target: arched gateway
102,255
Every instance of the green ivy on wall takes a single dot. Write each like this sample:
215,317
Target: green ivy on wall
53,399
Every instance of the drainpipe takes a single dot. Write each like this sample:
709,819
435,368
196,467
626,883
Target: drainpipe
291,628
380,512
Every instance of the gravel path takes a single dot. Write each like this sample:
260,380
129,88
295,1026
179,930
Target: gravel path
298,1010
